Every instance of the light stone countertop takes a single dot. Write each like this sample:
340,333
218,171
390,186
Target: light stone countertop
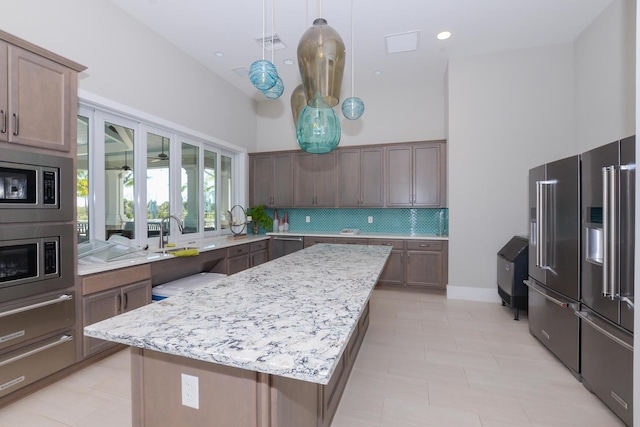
290,317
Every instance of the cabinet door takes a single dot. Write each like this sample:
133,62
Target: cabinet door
97,307
393,273
4,95
42,100
349,178
325,177
282,180
237,264
425,269
304,185
261,180
428,181
399,176
259,257
371,177
136,295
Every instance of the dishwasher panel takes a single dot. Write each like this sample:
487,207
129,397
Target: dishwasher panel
281,246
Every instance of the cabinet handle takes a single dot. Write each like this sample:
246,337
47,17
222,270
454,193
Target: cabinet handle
63,339
57,300
15,122
4,122
424,245
126,300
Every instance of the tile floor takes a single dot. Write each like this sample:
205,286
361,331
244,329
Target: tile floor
425,361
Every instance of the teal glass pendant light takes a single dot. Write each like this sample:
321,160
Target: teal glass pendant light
263,73
353,107
274,91
318,128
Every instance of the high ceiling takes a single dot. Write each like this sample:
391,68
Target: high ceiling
202,28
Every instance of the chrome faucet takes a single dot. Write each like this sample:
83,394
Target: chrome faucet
168,218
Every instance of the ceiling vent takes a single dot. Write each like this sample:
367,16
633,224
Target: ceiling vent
402,42
271,43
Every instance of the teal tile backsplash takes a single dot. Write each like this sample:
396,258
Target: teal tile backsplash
387,220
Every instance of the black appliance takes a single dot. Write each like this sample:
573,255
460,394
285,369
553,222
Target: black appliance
513,269
281,246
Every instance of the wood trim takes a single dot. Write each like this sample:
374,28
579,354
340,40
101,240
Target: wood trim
137,389
115,278
41,51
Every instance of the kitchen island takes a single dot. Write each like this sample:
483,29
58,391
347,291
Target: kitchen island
270,346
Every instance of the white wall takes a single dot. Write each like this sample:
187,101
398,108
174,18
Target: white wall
417,114
130,65
606,77
507,113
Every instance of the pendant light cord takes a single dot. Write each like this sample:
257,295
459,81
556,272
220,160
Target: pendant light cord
263,25
273,26
353,50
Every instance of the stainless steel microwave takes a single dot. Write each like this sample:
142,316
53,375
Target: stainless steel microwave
35,259
35,187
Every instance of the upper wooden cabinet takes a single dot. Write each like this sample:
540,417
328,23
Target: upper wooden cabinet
271,180
38,96
315,180
416,175
361,177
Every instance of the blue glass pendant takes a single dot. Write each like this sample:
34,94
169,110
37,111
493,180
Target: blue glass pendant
318,128
353,108
263,74
275,91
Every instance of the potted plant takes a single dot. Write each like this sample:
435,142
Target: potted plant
259,218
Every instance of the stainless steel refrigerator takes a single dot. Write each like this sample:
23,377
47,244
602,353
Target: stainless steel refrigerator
554,259
608,218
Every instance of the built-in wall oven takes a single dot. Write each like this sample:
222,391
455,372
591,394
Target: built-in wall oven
37,258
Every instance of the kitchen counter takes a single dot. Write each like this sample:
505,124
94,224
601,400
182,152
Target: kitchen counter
290,317
361,235
271,346
153,255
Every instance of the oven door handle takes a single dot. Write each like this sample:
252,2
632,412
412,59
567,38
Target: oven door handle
63,339
61,298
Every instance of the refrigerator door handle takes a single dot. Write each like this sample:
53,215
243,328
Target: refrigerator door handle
585,316
609,197
542,224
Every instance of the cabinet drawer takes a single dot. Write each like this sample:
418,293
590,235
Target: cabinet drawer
24,322
114,279
424,245
310,241
258,246
30,364
396,244
238,250
352,241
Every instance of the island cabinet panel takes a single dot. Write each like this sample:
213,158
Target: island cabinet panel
271,179
38,99
315,180
415,175
360,177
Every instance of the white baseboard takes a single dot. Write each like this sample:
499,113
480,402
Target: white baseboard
473,294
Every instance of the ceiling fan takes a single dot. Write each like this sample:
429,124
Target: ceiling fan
124,167
161,157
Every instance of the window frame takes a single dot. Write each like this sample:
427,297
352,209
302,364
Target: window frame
98,113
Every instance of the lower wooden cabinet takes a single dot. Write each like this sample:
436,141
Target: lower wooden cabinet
311,240
238,258
415,263
111,293
259,252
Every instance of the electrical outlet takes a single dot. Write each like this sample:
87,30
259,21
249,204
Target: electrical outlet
190,391
370,220
308,219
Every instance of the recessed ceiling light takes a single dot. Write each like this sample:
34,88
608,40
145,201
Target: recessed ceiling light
219,54
288,61
443,35
377,72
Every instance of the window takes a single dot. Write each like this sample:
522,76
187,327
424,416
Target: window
135,172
